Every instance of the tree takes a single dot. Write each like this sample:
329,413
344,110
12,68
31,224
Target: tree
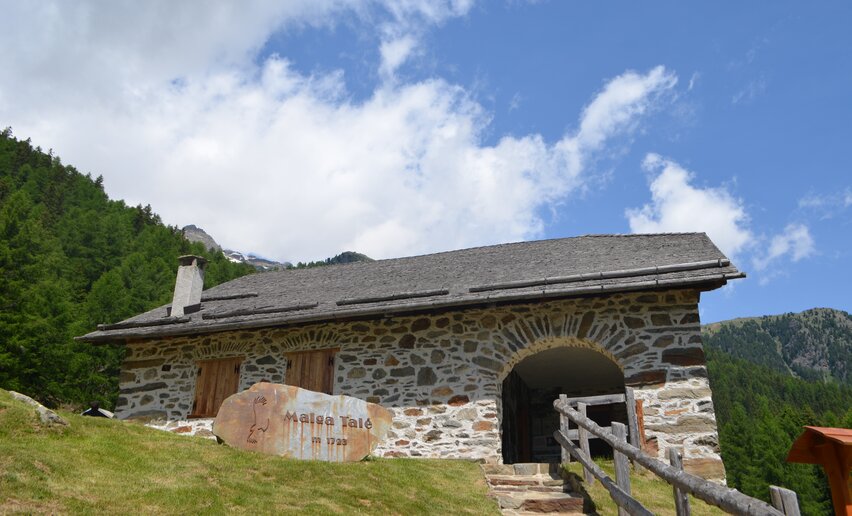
70,258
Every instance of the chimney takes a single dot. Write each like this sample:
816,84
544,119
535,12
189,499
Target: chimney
188,286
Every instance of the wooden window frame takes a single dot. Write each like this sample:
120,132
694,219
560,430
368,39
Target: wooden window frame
220,390
328,388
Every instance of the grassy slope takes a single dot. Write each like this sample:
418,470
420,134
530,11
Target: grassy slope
99,465
109,466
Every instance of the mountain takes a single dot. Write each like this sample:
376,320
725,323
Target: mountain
344,257
261,264
770,376
814,345
194,233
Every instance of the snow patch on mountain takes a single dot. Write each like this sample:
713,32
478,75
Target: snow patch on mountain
194,233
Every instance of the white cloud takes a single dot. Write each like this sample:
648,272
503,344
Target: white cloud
394,53
693,81
515,102
795,241
750,91
827,206
814,201
620,103
679,206
409,19
175,108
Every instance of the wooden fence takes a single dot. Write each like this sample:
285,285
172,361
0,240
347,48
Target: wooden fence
729,500
630,405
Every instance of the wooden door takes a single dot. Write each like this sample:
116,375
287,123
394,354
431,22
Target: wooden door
217,379
312,370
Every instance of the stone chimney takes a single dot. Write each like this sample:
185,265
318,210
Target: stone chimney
190,282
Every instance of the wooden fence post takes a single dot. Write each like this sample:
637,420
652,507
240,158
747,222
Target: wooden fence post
584,445
681,498
622,465
784,500
632,422
563,427
630,402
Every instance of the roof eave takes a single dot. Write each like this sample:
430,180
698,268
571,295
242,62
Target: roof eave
703,283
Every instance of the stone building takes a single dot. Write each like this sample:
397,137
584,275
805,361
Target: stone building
467,348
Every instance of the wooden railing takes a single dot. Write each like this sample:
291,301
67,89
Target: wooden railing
630,405
729,500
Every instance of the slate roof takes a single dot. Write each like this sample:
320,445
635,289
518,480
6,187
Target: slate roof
518,272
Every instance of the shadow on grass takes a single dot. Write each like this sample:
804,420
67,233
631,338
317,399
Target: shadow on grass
578,488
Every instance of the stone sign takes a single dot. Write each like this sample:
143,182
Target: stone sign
301,424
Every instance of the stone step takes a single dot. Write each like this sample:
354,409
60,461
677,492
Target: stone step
540,502
526,468
540,483
549,480
531,489
511,480
561,488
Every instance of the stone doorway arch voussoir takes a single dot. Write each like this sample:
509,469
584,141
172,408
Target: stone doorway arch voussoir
536,382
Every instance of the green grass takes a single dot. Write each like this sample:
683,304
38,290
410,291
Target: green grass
107,466
651,491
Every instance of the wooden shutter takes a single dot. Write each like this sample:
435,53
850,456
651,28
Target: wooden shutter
217,379
312,370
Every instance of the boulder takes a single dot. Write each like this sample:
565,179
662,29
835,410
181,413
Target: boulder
47,416
293,422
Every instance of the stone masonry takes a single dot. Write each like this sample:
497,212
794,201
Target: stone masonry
441,374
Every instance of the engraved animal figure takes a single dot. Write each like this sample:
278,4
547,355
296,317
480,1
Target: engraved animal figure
252,436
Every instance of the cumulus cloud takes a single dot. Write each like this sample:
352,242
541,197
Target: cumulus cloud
795,241
677,205
617,107
176,107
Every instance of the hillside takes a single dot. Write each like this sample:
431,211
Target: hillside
71,258
110,466
815,344
344,257
760,412
770,376
107,466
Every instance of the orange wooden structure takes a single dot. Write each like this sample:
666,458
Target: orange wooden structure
832,449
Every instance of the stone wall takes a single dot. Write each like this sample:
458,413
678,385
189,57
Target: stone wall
441,374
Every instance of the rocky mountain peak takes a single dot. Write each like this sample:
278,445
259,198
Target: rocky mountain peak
194,233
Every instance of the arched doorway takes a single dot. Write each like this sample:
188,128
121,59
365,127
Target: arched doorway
530,388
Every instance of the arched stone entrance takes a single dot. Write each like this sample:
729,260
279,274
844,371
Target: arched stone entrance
535,380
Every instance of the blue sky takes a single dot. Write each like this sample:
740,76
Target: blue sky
303,129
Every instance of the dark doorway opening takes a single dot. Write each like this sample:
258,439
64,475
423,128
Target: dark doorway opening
529,390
